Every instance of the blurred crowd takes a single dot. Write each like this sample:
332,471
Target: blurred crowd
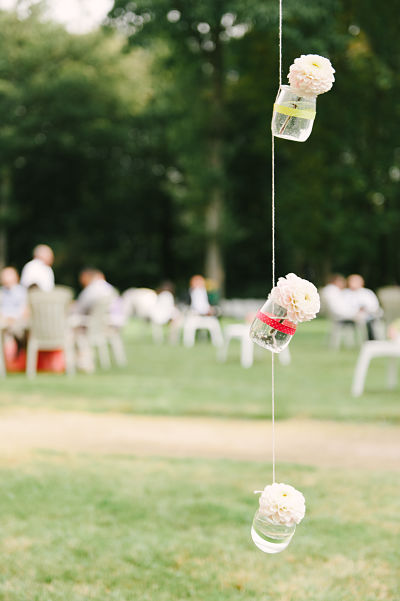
347,299
343,300
159,306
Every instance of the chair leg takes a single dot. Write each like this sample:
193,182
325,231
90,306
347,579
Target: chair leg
361,370
350,335
157,332
392,373
175,330
222,353
117,347
246,352
217,338
69,359
285,357
3,372
189,334
336,334
85,359
104,355
31,359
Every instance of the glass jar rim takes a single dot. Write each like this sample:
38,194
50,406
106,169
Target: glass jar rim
286,87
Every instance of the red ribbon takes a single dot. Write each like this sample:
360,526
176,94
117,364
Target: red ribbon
286,327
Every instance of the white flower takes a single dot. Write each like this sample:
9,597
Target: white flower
299,297
311,75
282,504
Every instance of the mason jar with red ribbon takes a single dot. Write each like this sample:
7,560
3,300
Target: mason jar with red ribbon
271,329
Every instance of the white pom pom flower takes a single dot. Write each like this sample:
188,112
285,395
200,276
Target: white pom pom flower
299,297
282,504
311,75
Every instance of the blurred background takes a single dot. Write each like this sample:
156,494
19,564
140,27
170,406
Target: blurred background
143,146
135,178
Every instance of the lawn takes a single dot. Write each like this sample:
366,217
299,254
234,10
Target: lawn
112,528
172,380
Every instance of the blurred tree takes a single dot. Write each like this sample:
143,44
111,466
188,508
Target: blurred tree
338,205
148,161
71,156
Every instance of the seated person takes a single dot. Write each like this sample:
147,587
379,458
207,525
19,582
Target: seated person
363,301
95,287
38,272
14,310
14,305
199,302
165,311
334,300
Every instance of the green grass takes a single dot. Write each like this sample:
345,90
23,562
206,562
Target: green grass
122,529
177,381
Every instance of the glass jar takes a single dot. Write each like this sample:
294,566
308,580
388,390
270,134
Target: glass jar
268,536
270,329
293,115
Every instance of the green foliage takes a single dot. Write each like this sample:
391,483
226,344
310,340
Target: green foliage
338,202
115,154
73,141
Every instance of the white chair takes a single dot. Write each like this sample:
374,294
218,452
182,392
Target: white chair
92,333
3,372
116,321
194,323
162,313
49,328
370,350
240,331
389,299
114,338
346,331
139,302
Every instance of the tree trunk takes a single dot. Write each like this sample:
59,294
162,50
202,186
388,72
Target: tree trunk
214,264
4,204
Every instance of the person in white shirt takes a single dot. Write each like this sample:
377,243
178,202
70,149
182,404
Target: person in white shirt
38,272
198,296
362,300
95,290
334,300
95,287
13,301
165,312
13,309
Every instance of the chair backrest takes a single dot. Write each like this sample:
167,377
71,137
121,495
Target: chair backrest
389,298
49,314
139,302
98,318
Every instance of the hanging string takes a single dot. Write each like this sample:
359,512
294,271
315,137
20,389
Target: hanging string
273,248
273,284
280,42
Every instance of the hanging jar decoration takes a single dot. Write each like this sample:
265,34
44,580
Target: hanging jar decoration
281,508
295,105
292,301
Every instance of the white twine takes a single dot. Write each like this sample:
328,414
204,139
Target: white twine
280,42
273,249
